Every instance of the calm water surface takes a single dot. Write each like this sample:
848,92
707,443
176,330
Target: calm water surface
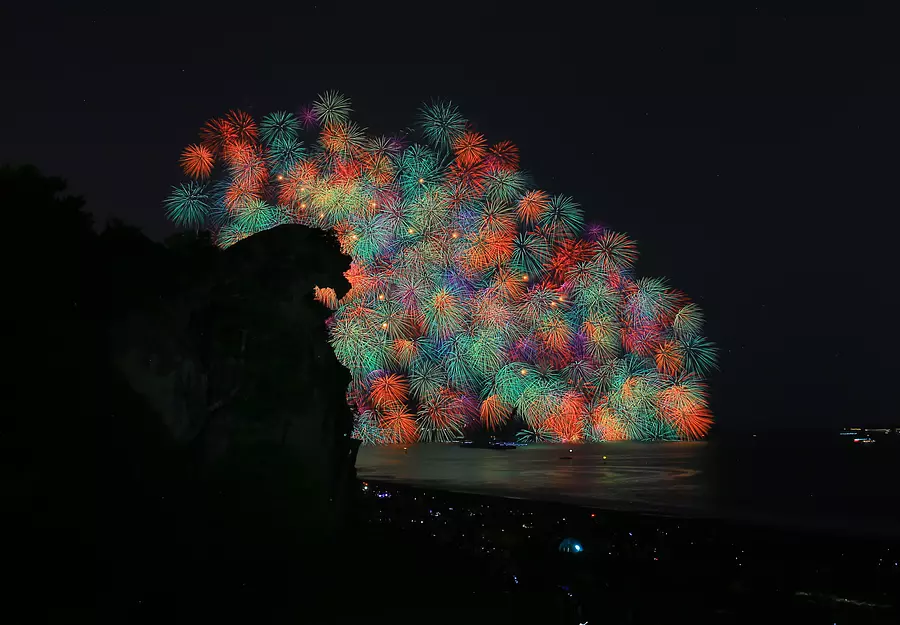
836,487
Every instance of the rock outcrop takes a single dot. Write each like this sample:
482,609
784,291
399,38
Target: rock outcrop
238,361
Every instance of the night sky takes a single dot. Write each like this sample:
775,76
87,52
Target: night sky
752,156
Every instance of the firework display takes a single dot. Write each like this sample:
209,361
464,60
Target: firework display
476,300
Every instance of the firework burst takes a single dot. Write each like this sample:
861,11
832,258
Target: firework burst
188,205
475,300
279,127
442,123
332,108
197,161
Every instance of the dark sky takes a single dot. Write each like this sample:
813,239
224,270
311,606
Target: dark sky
753,156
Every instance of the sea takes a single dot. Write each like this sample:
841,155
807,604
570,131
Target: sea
833,486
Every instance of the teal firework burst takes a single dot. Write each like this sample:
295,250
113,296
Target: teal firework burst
700,354
332,107
366,428
256,216
615,251
442,123
230,234
530,254
507,186
541,434
420,169
688,321
279,126
562,216
284,154
188,205
426,378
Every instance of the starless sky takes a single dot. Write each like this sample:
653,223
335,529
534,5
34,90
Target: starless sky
750,155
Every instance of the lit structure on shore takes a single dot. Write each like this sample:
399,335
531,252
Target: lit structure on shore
475,297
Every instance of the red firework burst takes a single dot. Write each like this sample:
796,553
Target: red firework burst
197,161
242,125
468,177
216,134
470,148
569,253
504,155
240,194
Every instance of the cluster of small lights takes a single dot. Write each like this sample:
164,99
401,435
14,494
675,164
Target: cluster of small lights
475,298
477,528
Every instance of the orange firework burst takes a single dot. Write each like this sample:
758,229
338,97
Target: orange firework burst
668,357
555,332
359,278
344,138
478,256
531,205
493,412
398,424
606,426
381,172
508,284
237,152
566,429
684,406
294,187
565,420
691,423
247,163
197,161
568,255
389,389
500,247
573,405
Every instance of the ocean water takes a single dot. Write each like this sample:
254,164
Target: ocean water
835,486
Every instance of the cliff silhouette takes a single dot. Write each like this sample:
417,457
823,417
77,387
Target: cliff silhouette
179,403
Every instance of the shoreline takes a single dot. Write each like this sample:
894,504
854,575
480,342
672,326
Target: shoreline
761,523
827,489
764,522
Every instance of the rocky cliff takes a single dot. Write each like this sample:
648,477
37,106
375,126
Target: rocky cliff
236,363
